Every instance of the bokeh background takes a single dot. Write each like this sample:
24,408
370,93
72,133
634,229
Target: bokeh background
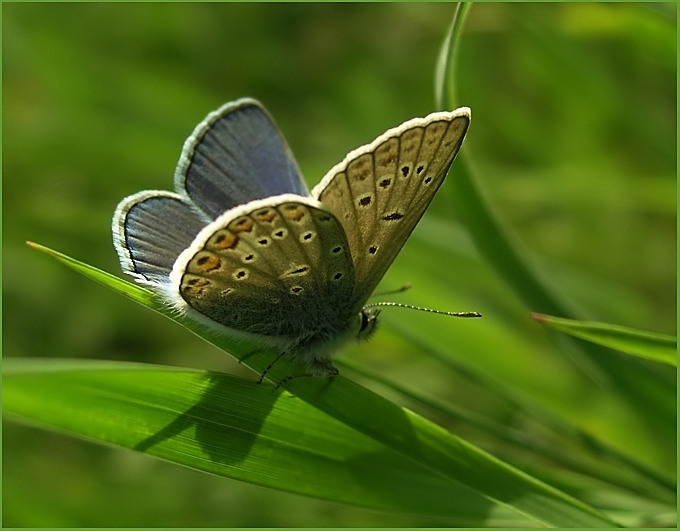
573,141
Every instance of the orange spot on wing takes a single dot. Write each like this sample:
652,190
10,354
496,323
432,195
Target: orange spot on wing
205,262
224,240
243,225
294,213
194,286
266,215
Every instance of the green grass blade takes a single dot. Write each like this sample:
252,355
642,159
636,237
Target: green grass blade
649,481
648,345
133,291
644,481
443,82
639,386
227,426
147,298
397,429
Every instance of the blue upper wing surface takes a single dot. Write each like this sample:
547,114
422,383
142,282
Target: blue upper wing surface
234,156
151,229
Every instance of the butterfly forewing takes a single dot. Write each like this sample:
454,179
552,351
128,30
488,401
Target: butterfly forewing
236,155
380,191
256,267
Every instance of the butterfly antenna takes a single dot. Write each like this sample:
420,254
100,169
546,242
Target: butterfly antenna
410,307
402,289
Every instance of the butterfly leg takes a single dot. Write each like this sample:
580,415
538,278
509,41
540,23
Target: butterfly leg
292,377
320,368
283,352
323,367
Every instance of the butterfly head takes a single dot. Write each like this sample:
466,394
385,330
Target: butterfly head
368,319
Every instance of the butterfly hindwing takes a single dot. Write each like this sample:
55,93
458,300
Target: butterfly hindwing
151,229
236,155
380,191
257,266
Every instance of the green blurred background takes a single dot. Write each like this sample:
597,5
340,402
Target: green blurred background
573,140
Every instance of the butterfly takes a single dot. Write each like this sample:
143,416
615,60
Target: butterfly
242,244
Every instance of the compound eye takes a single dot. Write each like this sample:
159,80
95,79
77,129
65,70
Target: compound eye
368,319
363,321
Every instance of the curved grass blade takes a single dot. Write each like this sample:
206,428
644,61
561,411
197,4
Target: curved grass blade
644,481
403,431
443,82
650,481
639,386
234,428
648,345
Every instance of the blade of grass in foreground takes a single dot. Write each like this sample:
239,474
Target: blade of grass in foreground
658,485
648,345
642,480
402,431
227,426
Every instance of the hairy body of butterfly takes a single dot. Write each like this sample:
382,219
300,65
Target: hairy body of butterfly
243,244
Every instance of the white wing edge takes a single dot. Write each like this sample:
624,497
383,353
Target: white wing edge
198,132
395,131
118,228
